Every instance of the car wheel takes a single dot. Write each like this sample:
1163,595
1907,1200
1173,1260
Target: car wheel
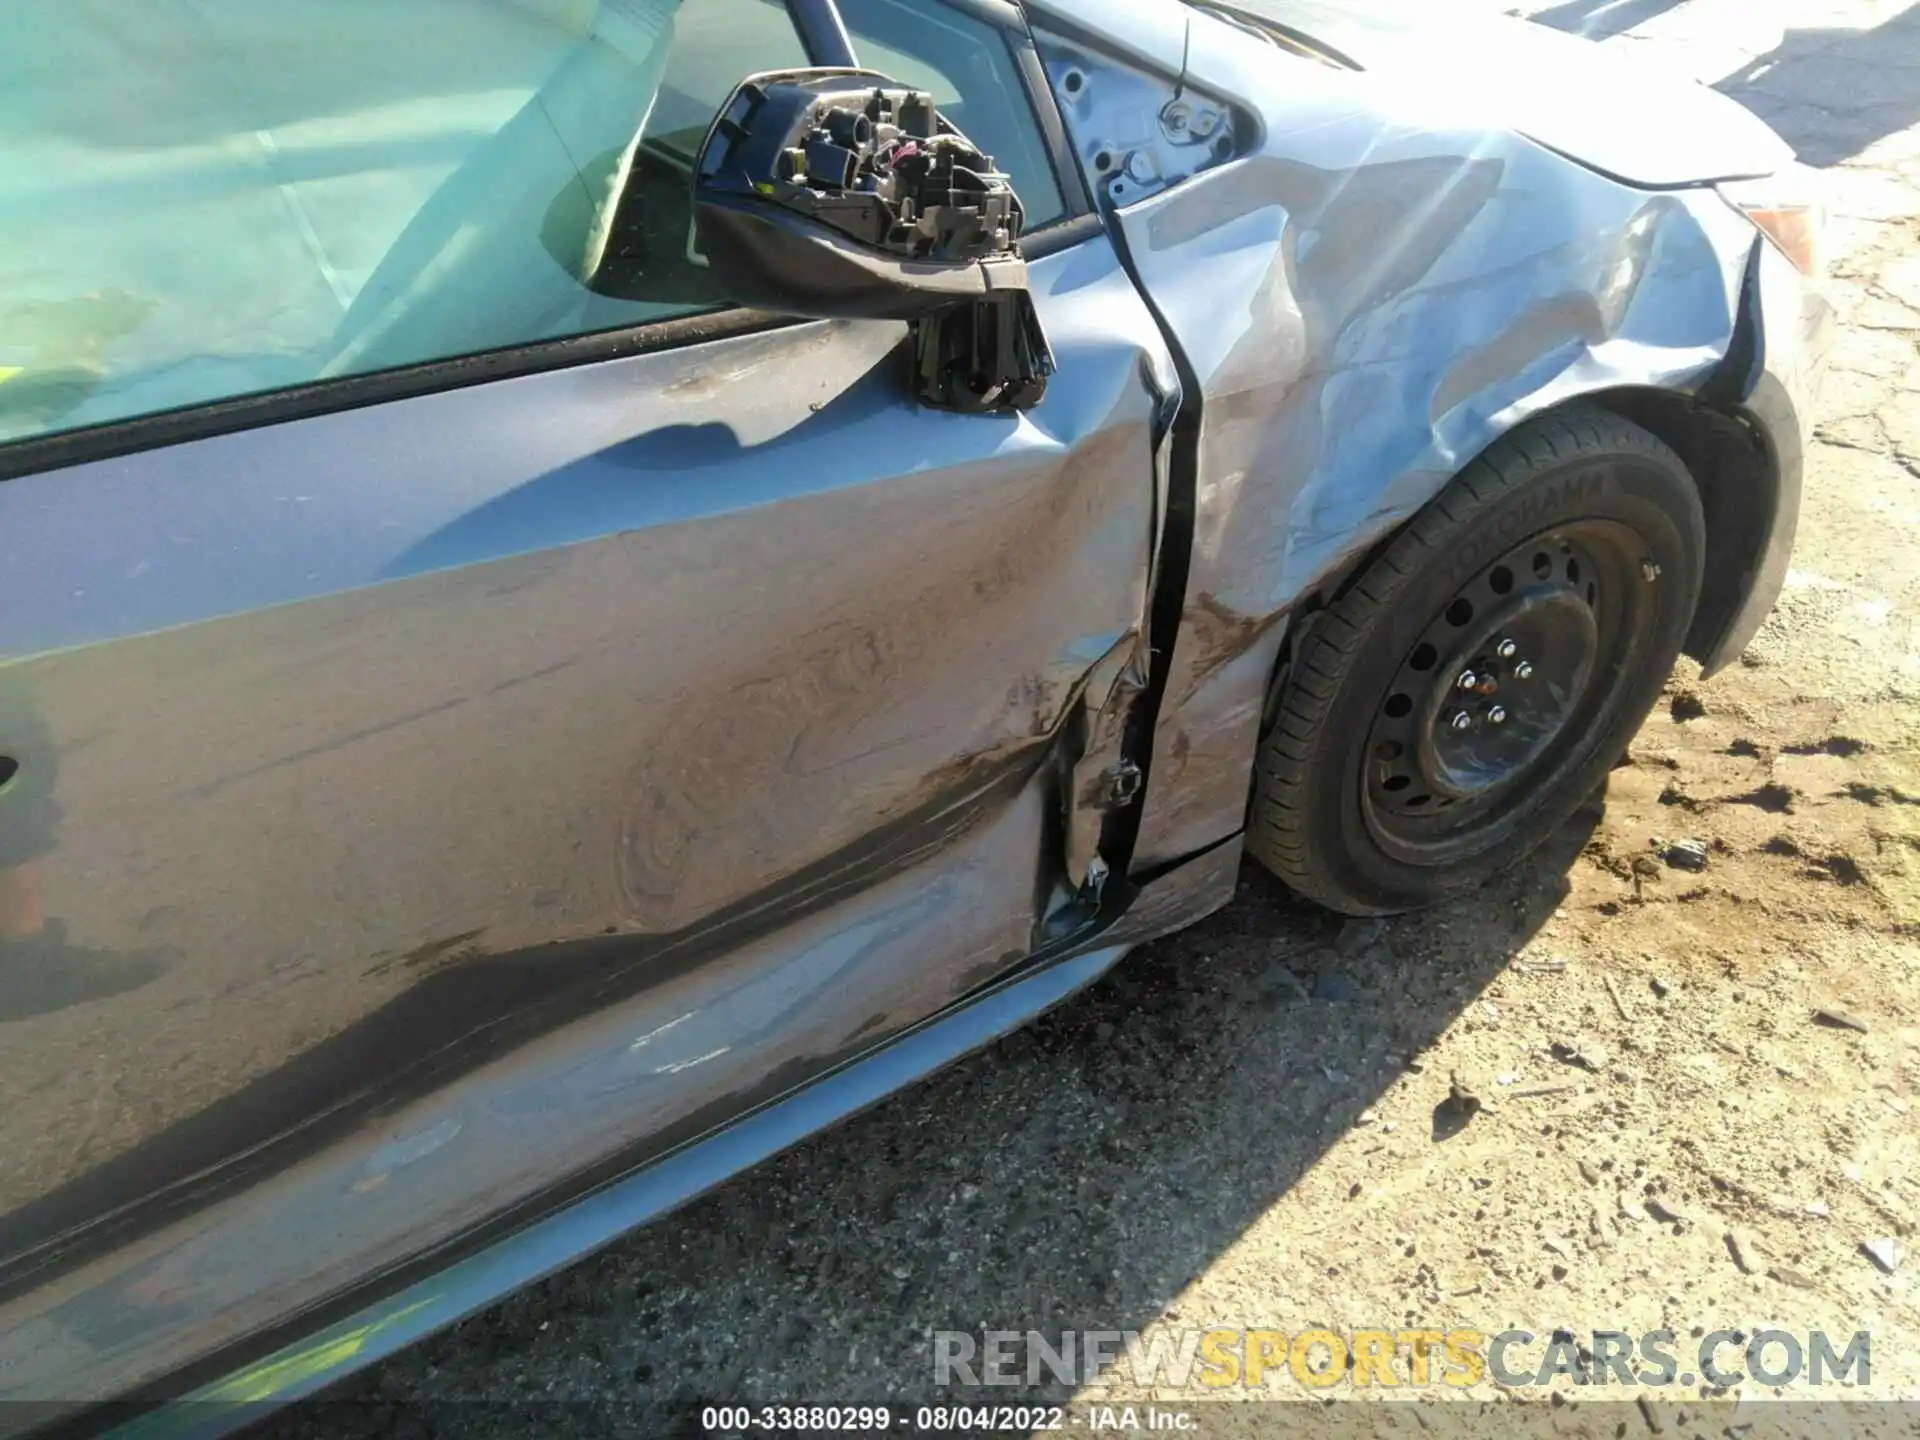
1478,678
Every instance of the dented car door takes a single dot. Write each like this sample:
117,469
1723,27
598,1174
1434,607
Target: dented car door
432,785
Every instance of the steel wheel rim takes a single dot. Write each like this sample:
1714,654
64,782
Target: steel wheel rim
1503,689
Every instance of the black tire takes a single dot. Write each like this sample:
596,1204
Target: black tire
1377,719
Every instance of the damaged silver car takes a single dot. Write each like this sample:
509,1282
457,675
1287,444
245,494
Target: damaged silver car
592,585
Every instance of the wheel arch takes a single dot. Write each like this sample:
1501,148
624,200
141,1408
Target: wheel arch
1738,478
1731,463
1732,466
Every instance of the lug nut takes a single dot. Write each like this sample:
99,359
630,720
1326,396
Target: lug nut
1497,715
1506,650
1523,671
1462,720
1468,680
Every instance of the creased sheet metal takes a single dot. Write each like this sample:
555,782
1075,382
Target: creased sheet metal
1368,298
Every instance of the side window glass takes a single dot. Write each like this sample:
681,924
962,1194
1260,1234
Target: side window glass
964,63
201,201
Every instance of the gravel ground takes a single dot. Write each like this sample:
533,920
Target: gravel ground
1248,1124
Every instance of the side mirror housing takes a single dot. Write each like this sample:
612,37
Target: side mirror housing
837,194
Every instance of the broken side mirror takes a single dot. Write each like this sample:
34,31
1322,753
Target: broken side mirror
838,194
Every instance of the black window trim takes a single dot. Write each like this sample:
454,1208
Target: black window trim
205,419
1053,126
823,35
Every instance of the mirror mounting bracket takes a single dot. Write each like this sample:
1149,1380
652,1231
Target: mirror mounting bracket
838,194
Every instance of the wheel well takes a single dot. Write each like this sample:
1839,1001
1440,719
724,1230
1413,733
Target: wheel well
1731,467
1739,488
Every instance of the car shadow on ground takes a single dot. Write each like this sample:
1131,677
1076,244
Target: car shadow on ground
1075,1176
1832,93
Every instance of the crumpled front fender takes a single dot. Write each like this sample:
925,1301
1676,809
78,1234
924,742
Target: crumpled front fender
1364,299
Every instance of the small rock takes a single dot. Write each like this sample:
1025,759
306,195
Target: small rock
1103,1032
1661,989
1835,1018
1507,1077
1557,1246
1589,1174
1353,1191
1451,1115
1819,1209
1885,1252
1742,1251
1787,1275
1686,855
1334,989
1389,1127
1663,1212
1365,1117
1583,1052
1628,1210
